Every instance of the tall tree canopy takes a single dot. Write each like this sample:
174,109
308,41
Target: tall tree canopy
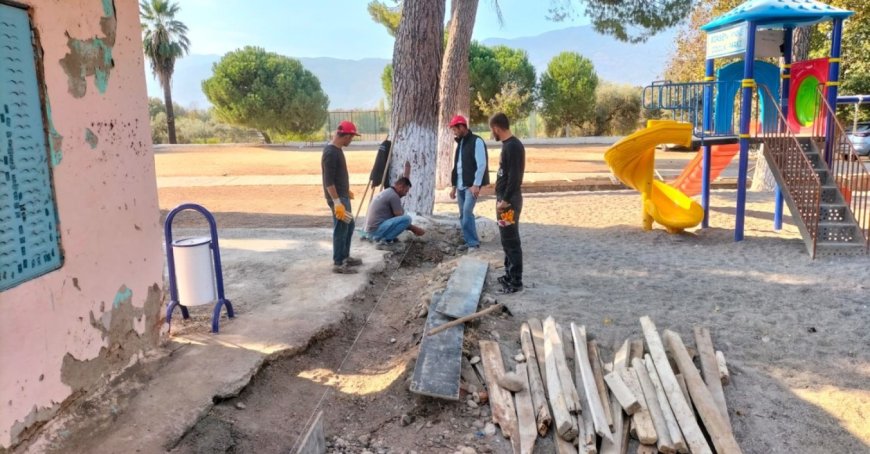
626,20
568,92
266,91
164,39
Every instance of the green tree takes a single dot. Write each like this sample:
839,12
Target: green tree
617,109
626,20
386,15
568,92
387,81
511,100
266,91
164,39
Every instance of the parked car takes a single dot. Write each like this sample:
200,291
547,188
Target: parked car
860,138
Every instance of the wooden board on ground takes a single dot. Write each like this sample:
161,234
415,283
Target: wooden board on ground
587,440
621,425
724,375
314,441
528,427
551,334
682,383
503,412
644,429
719,430
537,329
671,420
710,368
622,393
566,423
646,449
536,383
593,399
598,373
664,441
439,363
469,375
462,294
682,411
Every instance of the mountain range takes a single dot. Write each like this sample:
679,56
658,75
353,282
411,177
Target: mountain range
356,84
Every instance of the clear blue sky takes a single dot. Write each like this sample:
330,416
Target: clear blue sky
334,28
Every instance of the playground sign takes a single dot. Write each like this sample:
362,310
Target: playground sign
731,41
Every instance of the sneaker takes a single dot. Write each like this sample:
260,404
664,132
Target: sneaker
462,248
503,280
343,269
391,246
510,288
353,261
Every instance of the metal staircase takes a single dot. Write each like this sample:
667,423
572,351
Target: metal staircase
829,203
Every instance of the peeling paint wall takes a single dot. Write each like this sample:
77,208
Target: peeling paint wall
63,332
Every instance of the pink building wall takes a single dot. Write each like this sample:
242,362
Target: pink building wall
63,332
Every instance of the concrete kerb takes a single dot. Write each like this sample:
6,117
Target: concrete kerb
287,298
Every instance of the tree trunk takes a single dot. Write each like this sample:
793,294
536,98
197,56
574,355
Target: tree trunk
166,81
266,138
416,66
762,178
454,96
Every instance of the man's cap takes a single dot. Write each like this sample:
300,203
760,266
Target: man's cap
346,127
458,120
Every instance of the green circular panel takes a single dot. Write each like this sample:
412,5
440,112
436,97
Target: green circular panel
806,101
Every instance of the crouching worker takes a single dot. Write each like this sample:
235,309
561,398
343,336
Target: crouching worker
386,219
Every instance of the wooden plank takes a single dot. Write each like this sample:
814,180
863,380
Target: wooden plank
621,425
620,357
564,446
314,441
536,383
587,439
439,363
538,338
635,350
644,429
724,375
597,372
627,400
528,428
719,430
462,294
593,399
664,441
566,424
671,419
551,334
682,383
646,449
503,412
710,368
467,318
682,411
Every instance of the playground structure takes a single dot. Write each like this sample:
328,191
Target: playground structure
788,110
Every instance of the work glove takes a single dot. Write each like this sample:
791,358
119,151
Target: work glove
341,213
506,218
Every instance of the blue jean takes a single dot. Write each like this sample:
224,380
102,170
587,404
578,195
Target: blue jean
466,217
390,229
342,233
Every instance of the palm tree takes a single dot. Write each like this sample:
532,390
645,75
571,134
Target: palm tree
165,40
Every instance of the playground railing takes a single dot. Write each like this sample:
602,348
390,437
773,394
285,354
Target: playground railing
685,102
797,171
846,168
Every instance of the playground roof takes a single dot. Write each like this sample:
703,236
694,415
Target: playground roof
778,13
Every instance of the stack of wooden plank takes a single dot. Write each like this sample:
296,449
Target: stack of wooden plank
651,391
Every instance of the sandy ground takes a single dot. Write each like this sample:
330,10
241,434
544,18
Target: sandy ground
794,330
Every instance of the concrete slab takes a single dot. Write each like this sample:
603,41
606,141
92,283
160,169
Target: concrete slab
285,295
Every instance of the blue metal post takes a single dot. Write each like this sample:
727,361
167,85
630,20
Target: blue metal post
786,83
833,83
747,84
708,125
216,255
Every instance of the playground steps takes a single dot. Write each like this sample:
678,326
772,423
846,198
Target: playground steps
838,232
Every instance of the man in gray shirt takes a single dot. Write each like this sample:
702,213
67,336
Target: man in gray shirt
386,219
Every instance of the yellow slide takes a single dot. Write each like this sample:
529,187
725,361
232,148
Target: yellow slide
632,160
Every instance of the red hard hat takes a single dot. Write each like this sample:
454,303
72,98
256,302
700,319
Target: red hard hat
458,120
346,127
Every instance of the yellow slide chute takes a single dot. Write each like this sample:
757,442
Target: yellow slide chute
632,160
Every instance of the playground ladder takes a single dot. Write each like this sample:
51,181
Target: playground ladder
820,209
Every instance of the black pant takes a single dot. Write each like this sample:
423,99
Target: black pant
510,242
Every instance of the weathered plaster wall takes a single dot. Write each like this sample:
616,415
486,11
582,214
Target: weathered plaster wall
64,331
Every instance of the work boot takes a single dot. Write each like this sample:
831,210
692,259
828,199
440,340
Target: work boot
511,288
353,261
343,269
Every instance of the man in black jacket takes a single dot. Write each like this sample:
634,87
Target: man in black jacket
509,200
470,173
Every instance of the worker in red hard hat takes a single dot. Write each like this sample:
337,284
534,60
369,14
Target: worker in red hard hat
470,173
336,189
